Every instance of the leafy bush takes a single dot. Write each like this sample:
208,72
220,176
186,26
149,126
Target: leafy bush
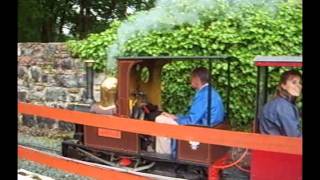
95,46
244,34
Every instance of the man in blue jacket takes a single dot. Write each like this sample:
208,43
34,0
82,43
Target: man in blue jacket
198,112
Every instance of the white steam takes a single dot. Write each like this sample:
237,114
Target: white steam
170,13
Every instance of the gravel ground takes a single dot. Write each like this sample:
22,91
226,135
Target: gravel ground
54,144
44,138
234,174
47,171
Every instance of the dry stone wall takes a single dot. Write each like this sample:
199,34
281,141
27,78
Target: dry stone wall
49,75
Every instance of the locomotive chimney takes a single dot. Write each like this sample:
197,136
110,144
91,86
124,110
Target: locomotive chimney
89,78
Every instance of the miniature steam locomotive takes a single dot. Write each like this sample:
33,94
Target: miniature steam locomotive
138,96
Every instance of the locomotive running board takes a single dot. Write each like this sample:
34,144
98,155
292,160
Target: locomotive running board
147,155
152,176
74,146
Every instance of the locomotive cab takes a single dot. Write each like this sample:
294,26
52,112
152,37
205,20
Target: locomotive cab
139,97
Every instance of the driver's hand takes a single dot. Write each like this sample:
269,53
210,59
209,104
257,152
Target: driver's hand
169,115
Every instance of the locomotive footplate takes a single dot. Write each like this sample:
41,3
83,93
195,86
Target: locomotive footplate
164,165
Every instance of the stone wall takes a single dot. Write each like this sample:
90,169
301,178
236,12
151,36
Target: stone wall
48,75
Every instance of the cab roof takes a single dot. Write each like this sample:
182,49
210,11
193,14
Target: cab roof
290,61
177,58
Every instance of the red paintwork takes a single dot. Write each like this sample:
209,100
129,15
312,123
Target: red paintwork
125,161
279,64
275,166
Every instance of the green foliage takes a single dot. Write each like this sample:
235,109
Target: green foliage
44,20
29,23
244,34
95,46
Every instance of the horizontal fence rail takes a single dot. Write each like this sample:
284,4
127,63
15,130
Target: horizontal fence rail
280,144
74,166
